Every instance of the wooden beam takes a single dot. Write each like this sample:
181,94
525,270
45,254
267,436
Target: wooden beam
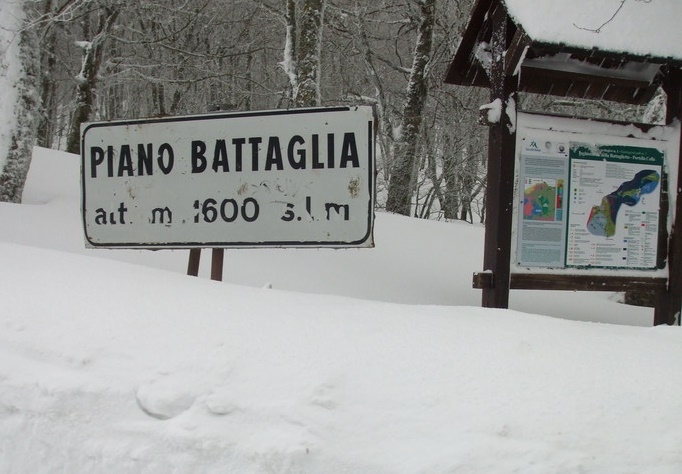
500,176
550,70
483,280
464,68
543,80
217,258
669,303
517,49
193,262
662,257
536,281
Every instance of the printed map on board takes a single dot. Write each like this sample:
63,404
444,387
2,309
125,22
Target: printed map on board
602,220
541,198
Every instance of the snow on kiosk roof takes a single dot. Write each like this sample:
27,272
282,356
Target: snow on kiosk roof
610,49
640,27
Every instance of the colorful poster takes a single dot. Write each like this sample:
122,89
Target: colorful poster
587,204
542,225
614,207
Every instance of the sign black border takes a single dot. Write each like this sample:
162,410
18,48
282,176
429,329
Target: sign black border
369,236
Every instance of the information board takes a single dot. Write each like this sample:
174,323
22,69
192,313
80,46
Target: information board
284,178
588,200
614,206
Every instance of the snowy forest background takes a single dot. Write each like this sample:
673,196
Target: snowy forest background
73,61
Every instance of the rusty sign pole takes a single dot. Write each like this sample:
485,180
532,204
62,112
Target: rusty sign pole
217,259
193,262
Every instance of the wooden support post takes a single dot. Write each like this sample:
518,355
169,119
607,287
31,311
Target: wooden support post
217,256
500,176
193,262
669,302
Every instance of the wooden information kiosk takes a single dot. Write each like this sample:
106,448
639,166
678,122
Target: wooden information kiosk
582,51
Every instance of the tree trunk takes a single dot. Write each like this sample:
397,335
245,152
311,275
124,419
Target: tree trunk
386,136
87,78
451,199
48,86
307,91
290,49
15,159
400,187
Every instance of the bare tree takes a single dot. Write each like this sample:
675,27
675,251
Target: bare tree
92,55
19,71
400,184
163,57
302,50
48,84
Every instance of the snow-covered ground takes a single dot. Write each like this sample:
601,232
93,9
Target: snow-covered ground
355,361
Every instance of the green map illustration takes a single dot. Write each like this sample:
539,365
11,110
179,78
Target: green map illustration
541,200
602,220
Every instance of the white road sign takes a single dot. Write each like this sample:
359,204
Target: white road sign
284,178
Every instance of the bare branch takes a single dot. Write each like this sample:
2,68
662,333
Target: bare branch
598,29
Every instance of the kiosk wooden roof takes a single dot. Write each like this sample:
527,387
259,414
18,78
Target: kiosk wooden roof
612,50
618,50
